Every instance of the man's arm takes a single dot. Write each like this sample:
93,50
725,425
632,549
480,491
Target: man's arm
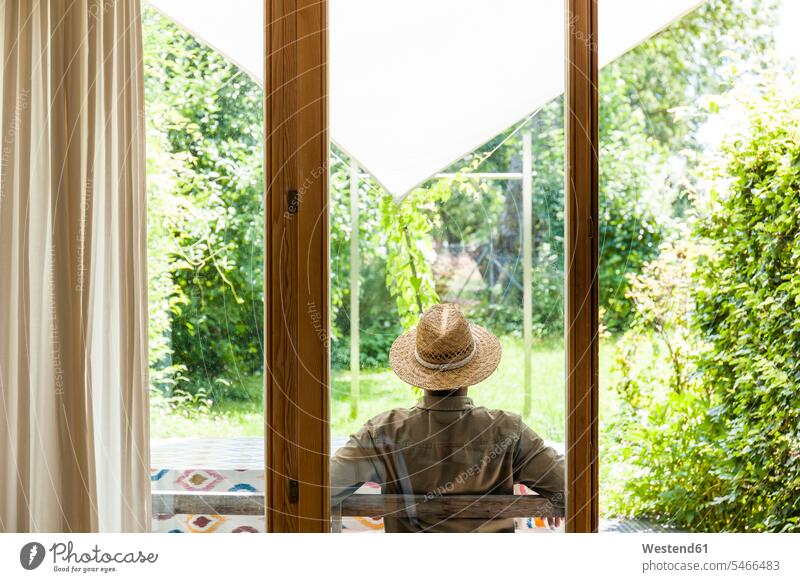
354,464
539,467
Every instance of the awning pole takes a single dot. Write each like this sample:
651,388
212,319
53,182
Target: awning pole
355,284
527,259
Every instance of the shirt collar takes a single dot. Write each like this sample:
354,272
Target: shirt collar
447,402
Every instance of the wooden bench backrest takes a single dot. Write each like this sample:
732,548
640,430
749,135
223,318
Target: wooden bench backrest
371,505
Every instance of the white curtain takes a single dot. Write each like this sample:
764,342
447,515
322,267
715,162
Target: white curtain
74,450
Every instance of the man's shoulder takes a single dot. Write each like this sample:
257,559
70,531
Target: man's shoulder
497,415
390,417
479,416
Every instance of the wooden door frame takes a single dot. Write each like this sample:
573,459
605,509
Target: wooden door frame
580,256
296,265
296,335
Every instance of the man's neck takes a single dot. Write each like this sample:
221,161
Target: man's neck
446,393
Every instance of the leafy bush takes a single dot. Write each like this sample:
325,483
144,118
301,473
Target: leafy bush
708,436
657,444
748,305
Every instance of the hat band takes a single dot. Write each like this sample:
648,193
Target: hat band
450,365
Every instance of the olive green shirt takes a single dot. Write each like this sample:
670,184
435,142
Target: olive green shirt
445,445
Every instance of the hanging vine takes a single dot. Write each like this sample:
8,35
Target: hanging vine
406,226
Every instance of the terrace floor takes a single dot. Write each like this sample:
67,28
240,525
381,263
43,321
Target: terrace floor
204,465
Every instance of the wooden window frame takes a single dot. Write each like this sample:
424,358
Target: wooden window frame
580,255
297,266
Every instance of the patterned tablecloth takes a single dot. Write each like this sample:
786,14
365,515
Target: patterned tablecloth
237,464
202,465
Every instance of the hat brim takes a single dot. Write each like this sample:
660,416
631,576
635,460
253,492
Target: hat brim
403,361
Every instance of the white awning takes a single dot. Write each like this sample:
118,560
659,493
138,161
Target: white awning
416,85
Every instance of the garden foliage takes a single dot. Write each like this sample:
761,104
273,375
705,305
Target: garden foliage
748,309
205,218
717,447
708,434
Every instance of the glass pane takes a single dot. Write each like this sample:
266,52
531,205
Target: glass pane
205,257
447,187
698,194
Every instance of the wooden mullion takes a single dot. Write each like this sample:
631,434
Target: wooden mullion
313,425
296,274
581,256
296,266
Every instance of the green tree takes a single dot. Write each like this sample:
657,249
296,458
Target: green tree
206,250
652,103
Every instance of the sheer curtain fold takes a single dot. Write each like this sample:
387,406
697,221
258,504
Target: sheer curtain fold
74,450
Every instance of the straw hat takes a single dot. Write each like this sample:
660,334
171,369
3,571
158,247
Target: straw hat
445,351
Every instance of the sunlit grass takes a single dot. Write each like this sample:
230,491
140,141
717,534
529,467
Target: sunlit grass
381,390
231,419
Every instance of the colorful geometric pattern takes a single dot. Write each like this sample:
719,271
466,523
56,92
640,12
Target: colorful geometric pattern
199,479
157,474
207,523
203,523
236,464
207,465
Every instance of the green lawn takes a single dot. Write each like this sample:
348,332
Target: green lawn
382,390
228,420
